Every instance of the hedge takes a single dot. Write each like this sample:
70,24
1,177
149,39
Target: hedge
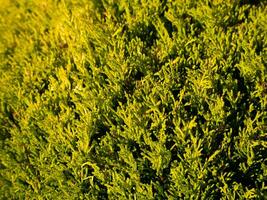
140,99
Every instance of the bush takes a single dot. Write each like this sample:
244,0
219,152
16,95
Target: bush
116,99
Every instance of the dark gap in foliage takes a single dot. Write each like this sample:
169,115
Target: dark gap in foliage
221,130
2,166
164,179
100,131
88,67
77,116
259,136
9,51
69,153
231,19
103,78
227,103
126,175
125,30
98,62
134,147
200,120
68,174
237,116
246,13
147,174
99,6
259,46
260,153
170,143
169,123
92,46
153,136
163,7
220,134
5,182
149,123
146,33
55,108
24,183
192,26
181,82
156,63
103,193
203,105
238,175
119,13
144,146
39,134
173,54
232,22
54,184
236,57
250,2
213,192
233,122
218,86
177,151
116,148
44,86
168,24
116,100
4,133
250,180
38,47
129,85
169,27
73,143
158,192
13,156
72,81
70,102
59,60
175,92
167,108
191,110
138,75
85,186
133,189
10,114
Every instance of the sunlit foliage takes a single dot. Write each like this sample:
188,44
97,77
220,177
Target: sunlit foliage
133,99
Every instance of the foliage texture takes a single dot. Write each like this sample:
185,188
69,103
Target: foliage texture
133,99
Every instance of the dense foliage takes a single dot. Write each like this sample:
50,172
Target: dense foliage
133,99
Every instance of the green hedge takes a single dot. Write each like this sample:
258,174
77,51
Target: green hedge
133,99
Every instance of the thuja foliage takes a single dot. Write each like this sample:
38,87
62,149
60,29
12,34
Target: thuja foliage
140,99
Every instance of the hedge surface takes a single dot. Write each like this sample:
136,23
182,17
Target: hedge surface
140,99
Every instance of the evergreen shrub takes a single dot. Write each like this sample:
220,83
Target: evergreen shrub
133,99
